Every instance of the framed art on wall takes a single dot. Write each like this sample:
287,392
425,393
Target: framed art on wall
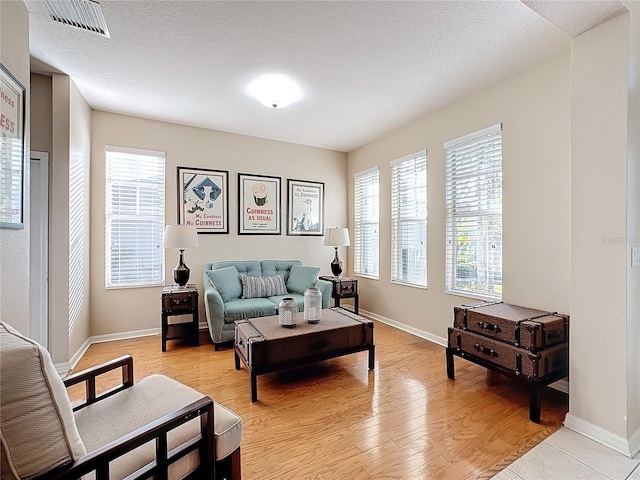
12,150
305,207
203,199
258,205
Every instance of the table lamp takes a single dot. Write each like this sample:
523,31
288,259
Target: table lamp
180,237
336,237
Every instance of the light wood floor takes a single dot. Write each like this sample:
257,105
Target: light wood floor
336,420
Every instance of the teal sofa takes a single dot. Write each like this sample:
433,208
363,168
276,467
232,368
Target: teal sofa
229,294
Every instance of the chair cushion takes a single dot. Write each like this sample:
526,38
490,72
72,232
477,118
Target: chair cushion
301,278
35,412
227,282
228,429
149,399
261,287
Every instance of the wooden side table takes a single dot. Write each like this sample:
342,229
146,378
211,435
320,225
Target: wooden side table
178,300
344,287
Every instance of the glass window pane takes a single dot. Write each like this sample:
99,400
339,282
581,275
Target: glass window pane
134,217
474,213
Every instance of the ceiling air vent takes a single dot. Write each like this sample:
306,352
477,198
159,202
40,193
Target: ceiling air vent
83,14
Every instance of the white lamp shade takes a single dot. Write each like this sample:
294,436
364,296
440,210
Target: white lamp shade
180,236
336,237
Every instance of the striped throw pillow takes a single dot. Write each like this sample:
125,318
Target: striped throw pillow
262,287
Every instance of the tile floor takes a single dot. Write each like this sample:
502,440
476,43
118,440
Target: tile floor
567,455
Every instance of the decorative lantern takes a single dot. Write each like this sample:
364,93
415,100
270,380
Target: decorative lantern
288,312
312,305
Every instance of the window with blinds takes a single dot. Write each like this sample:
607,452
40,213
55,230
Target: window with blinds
365,245
11,182
409,220
134,217
474,214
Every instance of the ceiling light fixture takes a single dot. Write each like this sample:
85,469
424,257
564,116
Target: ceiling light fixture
274,90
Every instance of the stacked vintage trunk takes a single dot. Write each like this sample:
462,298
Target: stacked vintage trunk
522,342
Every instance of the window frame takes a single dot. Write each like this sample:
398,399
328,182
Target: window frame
362,224
155,217
405,184
465,171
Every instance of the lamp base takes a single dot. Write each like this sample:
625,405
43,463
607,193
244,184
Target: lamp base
336,265
181,272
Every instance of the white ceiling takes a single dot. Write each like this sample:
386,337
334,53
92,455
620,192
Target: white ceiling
365,67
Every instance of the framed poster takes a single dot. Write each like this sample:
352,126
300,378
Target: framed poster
305,207
12,150
258,205
203,199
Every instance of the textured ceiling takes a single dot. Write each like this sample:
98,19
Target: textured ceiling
365,67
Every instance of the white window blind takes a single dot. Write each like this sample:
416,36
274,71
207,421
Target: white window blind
474,213
409,220
11,168
365,248
77,202
135,217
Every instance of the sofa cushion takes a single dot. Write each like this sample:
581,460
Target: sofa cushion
298,297
301,278
250,267
227,282
261,287
278,267
35,411
244,308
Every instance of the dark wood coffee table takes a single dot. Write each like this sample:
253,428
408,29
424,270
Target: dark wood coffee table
265,346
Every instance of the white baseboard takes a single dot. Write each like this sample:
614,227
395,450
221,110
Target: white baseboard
561,385
598,434
109,337
81,351
204,326
63,368
406,328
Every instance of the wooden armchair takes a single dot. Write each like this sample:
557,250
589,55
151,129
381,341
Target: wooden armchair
157,427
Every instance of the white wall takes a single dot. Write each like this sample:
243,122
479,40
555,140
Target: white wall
41,114
62,126
14,244
633,226
80,160
534,110
59,221
123,310
600,400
